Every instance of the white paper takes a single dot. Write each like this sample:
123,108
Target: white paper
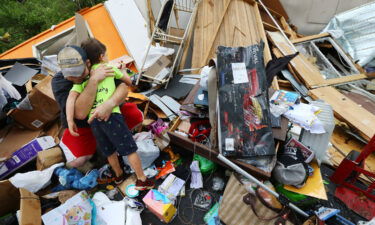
239,73
229,144
196,176
79,202
171,186
303,115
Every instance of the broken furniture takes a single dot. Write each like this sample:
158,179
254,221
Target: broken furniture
163,33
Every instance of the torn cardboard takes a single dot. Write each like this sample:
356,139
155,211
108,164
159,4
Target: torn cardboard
38,108
27,203
13,138
25,154
157,67
49,157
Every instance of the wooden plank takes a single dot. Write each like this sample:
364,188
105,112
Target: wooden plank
150,16
306,70
288,29
276,6
262,33
344,79
356,116
222,23
216,31
311,37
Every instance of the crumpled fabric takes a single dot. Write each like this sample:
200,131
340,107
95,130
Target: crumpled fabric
74,179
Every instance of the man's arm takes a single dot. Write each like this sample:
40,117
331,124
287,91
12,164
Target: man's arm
103,111
86,99
70,112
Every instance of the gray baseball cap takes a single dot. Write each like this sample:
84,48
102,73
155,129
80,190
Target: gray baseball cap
71,60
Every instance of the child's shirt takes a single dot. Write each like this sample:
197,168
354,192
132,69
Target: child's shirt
105,89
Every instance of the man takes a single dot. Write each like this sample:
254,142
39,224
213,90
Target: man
74,69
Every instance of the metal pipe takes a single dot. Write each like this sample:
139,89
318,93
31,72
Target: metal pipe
253,179
277,25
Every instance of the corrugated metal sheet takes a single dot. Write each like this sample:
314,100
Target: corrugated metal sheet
354,30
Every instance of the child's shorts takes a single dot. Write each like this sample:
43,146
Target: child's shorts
113,135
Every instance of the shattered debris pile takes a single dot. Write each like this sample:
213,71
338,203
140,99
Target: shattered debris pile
237,118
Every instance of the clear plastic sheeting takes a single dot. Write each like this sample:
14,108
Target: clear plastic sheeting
354,30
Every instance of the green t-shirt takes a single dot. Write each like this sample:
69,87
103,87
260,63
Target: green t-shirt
105,89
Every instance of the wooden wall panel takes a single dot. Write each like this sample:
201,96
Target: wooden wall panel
228,23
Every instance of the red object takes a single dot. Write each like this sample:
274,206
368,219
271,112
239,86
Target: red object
133,116
82,145
200,130
360,204
349,170
85,143
167,169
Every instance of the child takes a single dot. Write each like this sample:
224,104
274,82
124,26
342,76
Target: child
112,135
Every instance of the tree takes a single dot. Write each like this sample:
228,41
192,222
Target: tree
23,19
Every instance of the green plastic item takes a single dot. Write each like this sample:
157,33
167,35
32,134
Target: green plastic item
298,199
205,165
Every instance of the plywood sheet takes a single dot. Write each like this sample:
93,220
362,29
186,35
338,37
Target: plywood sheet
227,22
345,109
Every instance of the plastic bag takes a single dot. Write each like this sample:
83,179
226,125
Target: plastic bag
35,180
148,151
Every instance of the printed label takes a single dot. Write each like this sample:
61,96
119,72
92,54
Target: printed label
37,123
16,159
239,73
229,144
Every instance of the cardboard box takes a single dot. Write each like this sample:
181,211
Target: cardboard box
49,157
26,202
25,154
164,211
158,66
38,108
13,138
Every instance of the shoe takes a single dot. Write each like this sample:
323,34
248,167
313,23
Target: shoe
144,185
120,179
107,176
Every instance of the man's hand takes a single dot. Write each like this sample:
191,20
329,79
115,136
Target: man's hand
101,73
73,128
103,111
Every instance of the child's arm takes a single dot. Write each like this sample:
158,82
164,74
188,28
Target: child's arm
70,112
126,79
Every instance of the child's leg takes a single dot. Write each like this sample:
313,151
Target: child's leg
120,136
136,165
115,164
80,161
104,143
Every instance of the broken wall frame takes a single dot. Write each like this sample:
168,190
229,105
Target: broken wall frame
159,34
306,70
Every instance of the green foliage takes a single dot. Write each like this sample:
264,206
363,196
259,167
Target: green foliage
24,19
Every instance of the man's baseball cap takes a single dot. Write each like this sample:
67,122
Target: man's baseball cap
71,60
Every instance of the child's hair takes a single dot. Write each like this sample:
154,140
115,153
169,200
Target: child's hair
93,49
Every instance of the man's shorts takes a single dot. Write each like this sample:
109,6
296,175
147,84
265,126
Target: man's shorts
113,135
85,143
